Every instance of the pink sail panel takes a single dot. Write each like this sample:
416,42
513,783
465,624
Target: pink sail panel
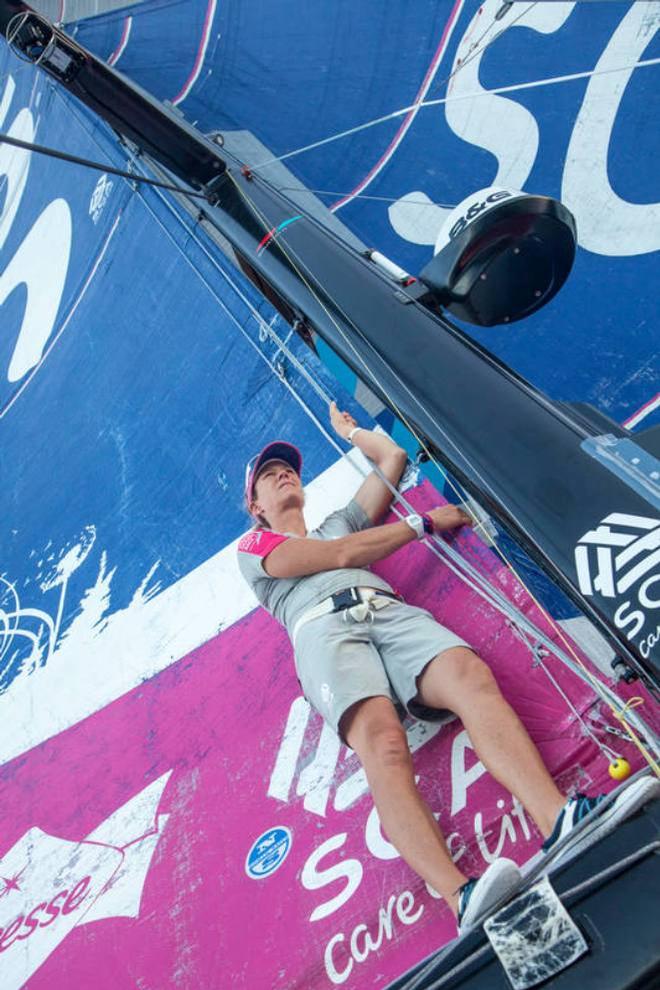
210,832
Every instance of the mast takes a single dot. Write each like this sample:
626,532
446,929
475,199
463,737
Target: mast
568,486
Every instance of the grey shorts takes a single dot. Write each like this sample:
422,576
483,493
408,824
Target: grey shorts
340,661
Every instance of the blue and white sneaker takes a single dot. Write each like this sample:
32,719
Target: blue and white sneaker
629,800
480,894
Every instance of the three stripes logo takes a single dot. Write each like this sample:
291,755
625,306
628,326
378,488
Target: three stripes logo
613,557
621,558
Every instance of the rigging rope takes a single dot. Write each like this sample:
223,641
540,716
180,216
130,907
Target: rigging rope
472,54
474,51
496,91
457,564
483,588
381,199
41,149
538,653
605,693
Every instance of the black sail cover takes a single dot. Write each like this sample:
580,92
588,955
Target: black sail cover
586,509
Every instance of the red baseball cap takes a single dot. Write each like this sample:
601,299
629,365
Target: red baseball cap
278,450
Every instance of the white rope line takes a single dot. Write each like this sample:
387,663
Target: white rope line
449,441
487,591
381,199
473,52
320,391
538,661
515,87
462,568
548,81
575,663
447,437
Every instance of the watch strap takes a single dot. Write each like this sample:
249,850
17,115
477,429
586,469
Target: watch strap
416,523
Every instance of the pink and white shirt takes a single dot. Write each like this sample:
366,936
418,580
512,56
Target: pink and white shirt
288,598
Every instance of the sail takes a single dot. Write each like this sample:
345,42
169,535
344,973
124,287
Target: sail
165,787
613,66
574,120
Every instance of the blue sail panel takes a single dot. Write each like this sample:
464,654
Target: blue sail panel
173,811
479,100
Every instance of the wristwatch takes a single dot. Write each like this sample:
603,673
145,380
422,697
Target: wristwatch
417,523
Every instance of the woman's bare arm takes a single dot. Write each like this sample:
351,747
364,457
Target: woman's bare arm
298,557
374,495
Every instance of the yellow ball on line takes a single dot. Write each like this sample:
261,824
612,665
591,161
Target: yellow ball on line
619,769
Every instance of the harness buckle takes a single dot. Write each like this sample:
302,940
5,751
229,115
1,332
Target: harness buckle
362,612
345,599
